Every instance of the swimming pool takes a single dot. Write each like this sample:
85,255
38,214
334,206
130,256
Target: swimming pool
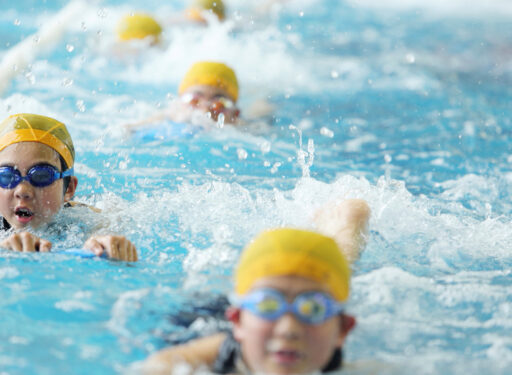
406,105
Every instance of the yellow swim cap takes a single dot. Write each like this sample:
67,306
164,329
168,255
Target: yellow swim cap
26,127
138,26
286,251
212,74
199,6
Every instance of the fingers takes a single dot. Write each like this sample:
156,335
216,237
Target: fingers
116,247
26,242
44,246
95,246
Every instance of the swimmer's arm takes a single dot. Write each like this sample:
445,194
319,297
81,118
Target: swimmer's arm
196,353
347,223
158,117
259,109
172,113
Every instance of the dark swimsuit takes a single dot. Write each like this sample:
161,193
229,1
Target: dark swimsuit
4,225
229,356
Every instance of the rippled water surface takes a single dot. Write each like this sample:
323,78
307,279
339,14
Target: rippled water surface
405,104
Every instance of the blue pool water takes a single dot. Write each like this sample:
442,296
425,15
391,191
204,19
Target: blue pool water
401,103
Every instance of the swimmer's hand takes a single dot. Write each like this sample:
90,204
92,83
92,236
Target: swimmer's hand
26,242
116,247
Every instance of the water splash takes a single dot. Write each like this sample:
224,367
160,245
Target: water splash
306,157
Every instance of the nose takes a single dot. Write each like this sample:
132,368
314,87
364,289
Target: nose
289,327
24,190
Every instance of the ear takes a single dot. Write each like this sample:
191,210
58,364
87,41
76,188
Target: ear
233,315
70,192
347,323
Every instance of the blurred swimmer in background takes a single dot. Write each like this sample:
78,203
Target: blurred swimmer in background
139,26
208,94
200,11
136,34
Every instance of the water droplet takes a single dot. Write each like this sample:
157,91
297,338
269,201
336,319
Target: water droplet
334,74
265,147
220,121
17,22
70,47
275,167
66,82
288,27
387,158
80,105
102,13
305,124
30,77
326,132
82,25
301,14
242,154
410,58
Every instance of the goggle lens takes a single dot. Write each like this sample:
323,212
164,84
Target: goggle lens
43,176
309,307
38,176
7,178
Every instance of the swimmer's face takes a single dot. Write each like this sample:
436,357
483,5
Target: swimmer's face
213,100
287,345
26,205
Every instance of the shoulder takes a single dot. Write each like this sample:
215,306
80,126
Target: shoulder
79,204
195,353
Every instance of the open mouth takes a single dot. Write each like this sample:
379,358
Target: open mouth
23,213
286,356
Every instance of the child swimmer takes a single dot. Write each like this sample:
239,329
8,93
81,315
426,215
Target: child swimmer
208,92
36,180
139,26
199,10
288,313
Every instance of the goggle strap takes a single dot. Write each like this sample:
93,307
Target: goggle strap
68,172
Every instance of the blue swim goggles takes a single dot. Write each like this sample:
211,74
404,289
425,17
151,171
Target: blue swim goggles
38,176
309,307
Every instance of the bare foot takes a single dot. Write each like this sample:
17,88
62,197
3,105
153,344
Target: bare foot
347,223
